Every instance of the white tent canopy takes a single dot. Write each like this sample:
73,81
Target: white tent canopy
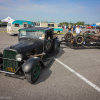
7,19
98,23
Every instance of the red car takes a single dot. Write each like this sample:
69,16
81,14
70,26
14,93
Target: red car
90,27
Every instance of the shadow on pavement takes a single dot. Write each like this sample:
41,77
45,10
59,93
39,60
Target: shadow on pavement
45,73
81,47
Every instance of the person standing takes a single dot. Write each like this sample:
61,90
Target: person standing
74,27
98,31
69,28
78,30
65,26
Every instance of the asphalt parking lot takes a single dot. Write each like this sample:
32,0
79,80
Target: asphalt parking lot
74,74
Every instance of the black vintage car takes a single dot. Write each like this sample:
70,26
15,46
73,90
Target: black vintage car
35,50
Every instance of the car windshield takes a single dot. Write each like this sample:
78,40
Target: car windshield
35,34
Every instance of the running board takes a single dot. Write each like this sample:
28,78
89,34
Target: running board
6,72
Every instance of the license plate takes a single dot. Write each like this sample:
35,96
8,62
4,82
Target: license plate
10,69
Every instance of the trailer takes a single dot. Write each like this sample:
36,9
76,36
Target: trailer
87,38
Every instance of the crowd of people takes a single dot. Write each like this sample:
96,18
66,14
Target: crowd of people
75,29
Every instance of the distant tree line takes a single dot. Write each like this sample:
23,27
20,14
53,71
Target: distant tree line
77,23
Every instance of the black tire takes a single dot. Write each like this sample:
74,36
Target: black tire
1,60
56,47
33,76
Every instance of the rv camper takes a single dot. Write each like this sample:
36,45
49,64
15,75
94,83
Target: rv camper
14,26
57,27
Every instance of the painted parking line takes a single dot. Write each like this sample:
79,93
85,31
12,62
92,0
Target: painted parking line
80,76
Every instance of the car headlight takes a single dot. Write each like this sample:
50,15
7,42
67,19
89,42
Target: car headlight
18,57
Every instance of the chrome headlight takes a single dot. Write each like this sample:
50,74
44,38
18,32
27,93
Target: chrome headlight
18,57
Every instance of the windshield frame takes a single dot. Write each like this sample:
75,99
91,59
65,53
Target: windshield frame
32,34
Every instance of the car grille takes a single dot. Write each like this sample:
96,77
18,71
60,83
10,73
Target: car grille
9,63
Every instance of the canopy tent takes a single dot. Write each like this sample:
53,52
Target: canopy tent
7,19
94,25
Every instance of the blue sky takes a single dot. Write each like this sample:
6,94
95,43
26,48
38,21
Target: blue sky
51,10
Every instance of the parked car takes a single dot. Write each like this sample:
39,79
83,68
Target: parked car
90,27
83,27
35,50
56,26
3,24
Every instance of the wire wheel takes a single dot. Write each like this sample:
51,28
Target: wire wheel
79,40
36,71
34,74
68,37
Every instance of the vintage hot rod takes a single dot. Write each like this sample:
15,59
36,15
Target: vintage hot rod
86,39
35,50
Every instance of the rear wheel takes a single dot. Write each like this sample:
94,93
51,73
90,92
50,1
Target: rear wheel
1,55
33,76
56,46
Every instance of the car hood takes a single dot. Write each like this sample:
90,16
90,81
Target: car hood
26,45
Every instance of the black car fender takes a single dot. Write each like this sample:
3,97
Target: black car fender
56,43
28,65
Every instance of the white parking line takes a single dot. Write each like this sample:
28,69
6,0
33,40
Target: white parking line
80,76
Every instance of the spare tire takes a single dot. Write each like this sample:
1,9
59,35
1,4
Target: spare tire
79,39
68,37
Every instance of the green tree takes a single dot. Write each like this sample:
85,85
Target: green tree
80,23
88,24
77,23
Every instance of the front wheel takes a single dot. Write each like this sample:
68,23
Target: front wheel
33,76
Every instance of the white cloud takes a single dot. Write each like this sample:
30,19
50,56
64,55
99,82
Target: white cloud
27,5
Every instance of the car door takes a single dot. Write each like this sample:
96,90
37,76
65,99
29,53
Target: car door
48,41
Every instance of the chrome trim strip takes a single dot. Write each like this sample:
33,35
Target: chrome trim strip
10,59
6,72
